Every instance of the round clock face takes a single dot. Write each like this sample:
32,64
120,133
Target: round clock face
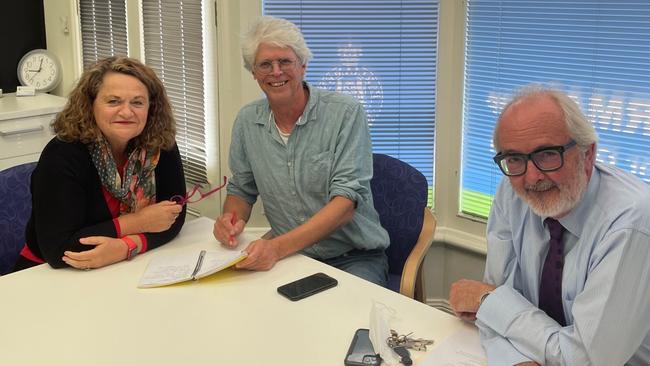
40,69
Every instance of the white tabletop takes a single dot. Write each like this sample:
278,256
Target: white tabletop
100,317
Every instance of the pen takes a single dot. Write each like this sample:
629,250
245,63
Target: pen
233,221
198,264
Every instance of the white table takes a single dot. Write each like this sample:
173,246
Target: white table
99,317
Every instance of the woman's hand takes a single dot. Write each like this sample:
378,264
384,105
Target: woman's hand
106,251
158,217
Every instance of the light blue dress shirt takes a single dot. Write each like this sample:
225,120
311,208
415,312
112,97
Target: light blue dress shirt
605,281
328,154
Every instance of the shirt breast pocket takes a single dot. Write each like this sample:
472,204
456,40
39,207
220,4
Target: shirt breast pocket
318,172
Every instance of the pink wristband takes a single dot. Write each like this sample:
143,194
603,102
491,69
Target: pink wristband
131,247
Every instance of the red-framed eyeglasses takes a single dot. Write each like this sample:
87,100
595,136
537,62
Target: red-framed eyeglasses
188,196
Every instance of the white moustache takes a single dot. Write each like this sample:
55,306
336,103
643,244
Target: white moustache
542,186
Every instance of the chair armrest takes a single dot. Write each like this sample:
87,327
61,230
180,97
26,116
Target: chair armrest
411,269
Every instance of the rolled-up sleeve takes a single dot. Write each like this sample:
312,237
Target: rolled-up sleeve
242,183
352,157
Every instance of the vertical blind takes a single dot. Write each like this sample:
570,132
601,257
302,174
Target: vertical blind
596,51
103,29
173,47
384,54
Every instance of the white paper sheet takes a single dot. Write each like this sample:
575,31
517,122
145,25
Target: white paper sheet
179,267
462,348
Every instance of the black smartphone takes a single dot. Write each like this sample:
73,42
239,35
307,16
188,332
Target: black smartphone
361,352
307,286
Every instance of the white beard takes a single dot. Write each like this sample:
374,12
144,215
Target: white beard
546,198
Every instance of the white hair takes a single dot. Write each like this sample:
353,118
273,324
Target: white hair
580,129
277,32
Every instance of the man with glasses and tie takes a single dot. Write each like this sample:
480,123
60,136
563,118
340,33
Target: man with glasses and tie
567,278
306,152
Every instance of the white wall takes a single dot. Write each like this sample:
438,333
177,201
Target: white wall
62,36
236,85
460,249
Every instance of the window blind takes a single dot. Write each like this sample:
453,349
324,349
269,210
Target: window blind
384,54
173,47
103,29
596,51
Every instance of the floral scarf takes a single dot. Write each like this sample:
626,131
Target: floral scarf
138,188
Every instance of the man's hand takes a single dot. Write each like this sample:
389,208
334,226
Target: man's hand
106,251
227,227
465,297
529,363
262,255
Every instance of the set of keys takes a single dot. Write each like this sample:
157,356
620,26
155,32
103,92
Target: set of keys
402,343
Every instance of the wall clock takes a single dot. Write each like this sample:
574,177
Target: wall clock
40,69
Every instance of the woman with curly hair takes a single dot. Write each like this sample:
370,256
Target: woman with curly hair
102,187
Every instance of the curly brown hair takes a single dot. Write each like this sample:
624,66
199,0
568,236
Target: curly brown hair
76,122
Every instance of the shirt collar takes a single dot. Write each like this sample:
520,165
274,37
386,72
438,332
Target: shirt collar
310,109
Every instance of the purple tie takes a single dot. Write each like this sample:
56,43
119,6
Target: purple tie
550,287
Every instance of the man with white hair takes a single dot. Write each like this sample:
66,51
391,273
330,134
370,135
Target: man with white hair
567,278
307,153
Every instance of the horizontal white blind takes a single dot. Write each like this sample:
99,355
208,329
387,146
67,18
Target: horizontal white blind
103,29
597,51
384,54
173,47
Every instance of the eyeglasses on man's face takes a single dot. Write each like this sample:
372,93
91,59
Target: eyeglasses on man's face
266,66
181,200
546,159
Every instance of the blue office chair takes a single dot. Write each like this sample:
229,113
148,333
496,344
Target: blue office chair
400,193
15,209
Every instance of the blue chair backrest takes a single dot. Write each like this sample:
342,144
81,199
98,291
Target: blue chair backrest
399,192
15,209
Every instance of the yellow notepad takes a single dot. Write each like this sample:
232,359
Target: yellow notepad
167,270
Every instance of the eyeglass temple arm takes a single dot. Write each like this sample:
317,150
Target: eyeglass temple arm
225,181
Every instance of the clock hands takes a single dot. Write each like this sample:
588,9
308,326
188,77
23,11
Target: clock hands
40,67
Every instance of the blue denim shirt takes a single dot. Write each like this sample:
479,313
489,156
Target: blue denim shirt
328,154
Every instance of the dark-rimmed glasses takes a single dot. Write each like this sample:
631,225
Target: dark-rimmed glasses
266,66
182,200
546,159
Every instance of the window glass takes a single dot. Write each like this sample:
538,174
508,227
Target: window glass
173,47
384,54
103,29
597,51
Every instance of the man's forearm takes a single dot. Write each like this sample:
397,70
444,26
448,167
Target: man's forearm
238,205
338,212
